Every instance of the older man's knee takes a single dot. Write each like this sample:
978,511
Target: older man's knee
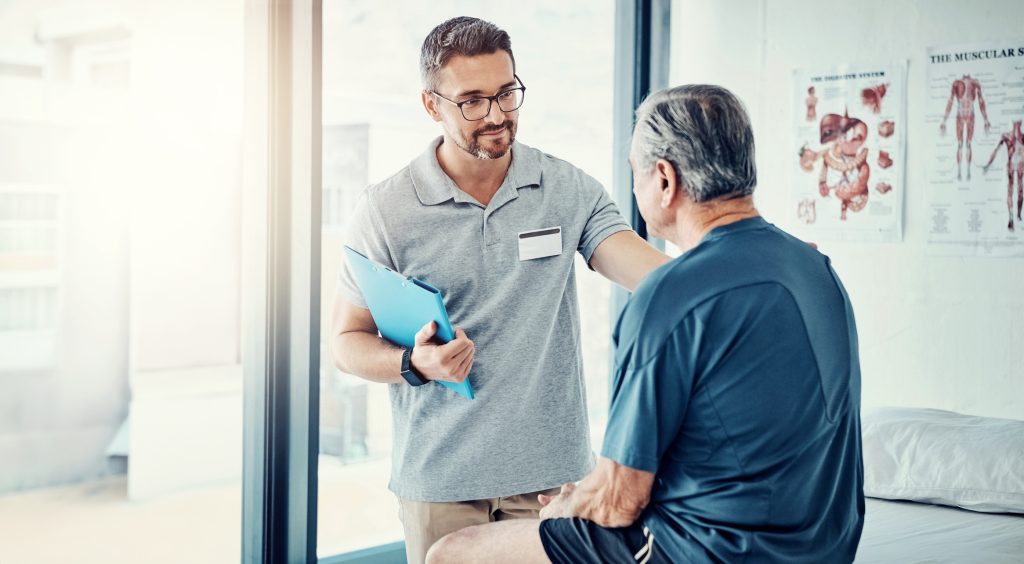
448,547
438,552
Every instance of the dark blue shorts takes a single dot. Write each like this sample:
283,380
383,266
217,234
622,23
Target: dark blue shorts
577,541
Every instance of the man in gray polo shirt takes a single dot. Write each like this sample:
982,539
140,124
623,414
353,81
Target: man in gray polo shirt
494,224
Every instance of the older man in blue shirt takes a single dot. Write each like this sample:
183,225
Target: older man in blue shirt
734,432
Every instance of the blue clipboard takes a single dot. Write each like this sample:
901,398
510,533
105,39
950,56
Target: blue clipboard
401,306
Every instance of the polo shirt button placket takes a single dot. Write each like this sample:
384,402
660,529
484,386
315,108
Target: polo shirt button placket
490,238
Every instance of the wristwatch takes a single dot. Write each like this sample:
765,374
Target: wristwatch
408,372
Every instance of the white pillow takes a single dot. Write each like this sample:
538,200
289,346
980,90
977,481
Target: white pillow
944,458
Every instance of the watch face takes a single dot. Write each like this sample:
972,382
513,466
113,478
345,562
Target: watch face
406,353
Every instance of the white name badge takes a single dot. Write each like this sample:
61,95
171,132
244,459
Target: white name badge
540,243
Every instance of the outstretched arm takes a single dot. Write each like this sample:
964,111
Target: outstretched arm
949,106
626,259
612,495
984,110
994,152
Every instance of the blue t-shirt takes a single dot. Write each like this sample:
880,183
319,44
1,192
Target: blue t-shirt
737,383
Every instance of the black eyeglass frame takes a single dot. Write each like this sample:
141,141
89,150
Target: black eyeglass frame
490,100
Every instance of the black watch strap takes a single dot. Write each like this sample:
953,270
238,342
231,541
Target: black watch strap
408,372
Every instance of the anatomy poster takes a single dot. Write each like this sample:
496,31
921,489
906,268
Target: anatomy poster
975,170
849,152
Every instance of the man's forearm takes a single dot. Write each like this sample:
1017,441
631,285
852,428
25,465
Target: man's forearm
994,153
367,356
640,266
626,259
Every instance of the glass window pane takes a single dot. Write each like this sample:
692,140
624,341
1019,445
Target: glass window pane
120,255
375,124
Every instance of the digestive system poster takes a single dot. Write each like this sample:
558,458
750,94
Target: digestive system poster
849,152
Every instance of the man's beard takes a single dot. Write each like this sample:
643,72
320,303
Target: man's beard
474,147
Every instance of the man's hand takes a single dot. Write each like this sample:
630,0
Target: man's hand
449,362
942,128
612,495
559,506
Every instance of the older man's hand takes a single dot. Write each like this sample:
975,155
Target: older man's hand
555,507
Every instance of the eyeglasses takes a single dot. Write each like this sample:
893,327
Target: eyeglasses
478,107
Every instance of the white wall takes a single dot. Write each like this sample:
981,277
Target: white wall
934,331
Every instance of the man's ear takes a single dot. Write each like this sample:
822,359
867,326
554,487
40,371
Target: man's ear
430,104
668,182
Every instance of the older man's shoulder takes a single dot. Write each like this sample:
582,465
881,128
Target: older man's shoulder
721,264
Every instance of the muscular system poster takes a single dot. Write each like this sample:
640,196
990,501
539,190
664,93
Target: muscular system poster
848,152
975,170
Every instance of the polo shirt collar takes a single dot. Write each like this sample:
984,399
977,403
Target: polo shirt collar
434,187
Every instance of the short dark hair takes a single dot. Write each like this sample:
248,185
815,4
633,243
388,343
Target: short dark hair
461,36
705,133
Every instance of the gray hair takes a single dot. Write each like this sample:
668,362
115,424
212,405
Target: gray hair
704,131
461,36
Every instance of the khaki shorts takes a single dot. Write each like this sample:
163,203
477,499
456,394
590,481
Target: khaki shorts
426,522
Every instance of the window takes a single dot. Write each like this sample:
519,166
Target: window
120,203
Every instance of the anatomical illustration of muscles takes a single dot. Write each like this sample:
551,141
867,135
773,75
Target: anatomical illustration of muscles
1014,141
972,212
847,160
965,91
812,105
872,97
886,128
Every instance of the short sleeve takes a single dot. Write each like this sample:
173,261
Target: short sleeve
364,233
603,218
648,404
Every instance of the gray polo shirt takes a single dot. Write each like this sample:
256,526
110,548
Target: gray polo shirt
527,428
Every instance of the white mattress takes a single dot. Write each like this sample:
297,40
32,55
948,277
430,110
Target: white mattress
908,532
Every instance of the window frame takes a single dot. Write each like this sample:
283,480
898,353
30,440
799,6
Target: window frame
642,44
281,262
